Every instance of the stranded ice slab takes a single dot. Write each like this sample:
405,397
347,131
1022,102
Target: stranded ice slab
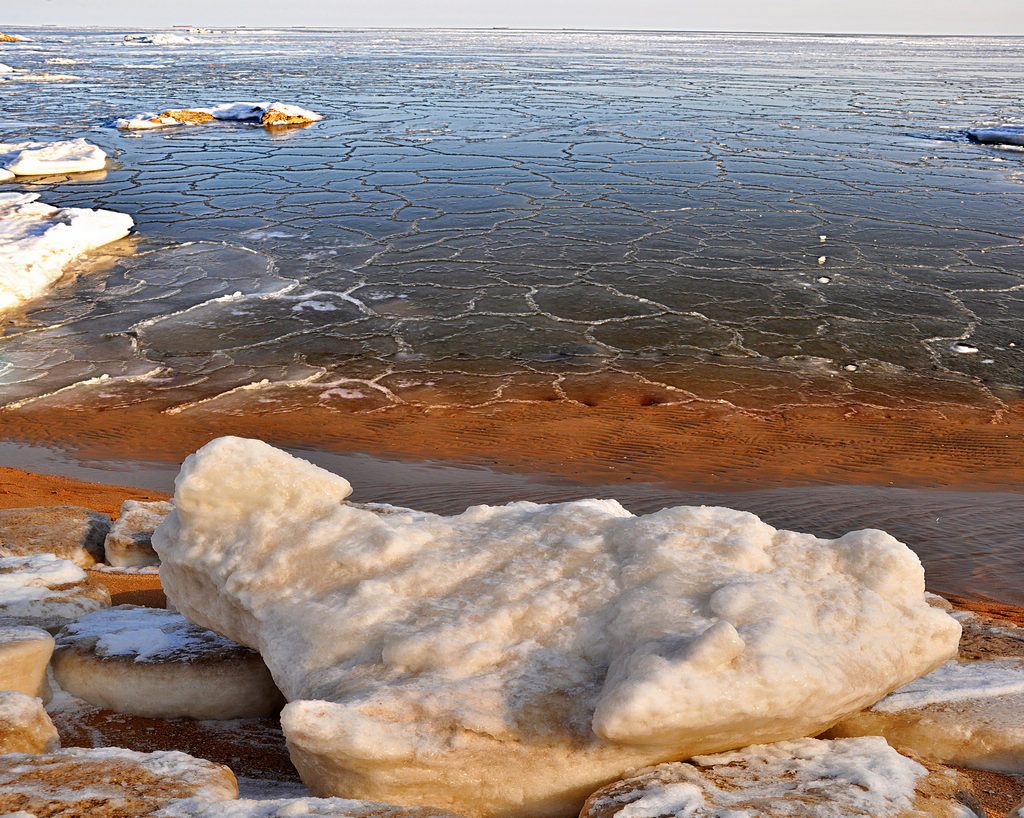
510,660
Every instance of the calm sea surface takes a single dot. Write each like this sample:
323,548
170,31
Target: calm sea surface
489,215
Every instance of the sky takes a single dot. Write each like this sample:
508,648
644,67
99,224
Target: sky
839,16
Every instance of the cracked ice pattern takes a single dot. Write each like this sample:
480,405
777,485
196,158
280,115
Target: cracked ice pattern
491,216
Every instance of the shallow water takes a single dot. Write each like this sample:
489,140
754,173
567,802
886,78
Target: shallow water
488,216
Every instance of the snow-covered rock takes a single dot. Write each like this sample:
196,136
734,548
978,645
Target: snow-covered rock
46,592
804,778
41,158
296,807
970,714
68,532
510,660
270,114
1005,135
24,655
24,725
151,662
130,541
108,782
38,240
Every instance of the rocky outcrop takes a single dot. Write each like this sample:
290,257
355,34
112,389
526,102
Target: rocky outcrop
510,660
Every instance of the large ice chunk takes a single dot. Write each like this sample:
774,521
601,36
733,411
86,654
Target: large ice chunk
151,662
45,592
130,541
108,782
24,725
24,656
509,660
41,158
38,240
804,778
68,532
969,714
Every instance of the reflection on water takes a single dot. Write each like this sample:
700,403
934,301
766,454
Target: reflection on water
492,215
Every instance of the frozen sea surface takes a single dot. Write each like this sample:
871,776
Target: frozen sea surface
746,218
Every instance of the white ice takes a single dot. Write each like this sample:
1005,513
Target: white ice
40,158
295,808
44,591
955,681
38,240
575,637
6,69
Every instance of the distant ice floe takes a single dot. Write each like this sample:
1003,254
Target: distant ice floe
13,38
1003,135
158,39
37,240
42,158
269,114
6,69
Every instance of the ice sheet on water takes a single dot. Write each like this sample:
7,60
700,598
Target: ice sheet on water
38,240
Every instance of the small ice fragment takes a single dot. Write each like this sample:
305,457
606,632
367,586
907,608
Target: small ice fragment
823,279
822,237
963,349
850,367
821,259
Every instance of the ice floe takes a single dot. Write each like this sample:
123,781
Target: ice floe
24,655
269,114
13,38
804,778
1005,135
129,543
24,725
158,39
42,158
37,240
107,782
43,591
511,659
6,69
151,662
68,532
967,714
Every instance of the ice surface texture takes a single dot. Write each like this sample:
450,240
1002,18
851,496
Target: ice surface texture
37,240
510,660
804,778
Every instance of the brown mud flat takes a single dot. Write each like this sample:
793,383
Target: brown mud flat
699,446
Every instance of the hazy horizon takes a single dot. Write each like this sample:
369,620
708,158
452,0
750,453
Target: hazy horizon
912,17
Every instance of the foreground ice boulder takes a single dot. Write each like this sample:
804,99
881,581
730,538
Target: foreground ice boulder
130,541
45,592
38,240
151,662
970,714
107,782
805,778
69,532
24,725
42,158
24,655
510,660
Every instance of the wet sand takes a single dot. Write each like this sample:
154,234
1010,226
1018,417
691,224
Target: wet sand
705,446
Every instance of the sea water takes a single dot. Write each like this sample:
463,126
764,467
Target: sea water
482,215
